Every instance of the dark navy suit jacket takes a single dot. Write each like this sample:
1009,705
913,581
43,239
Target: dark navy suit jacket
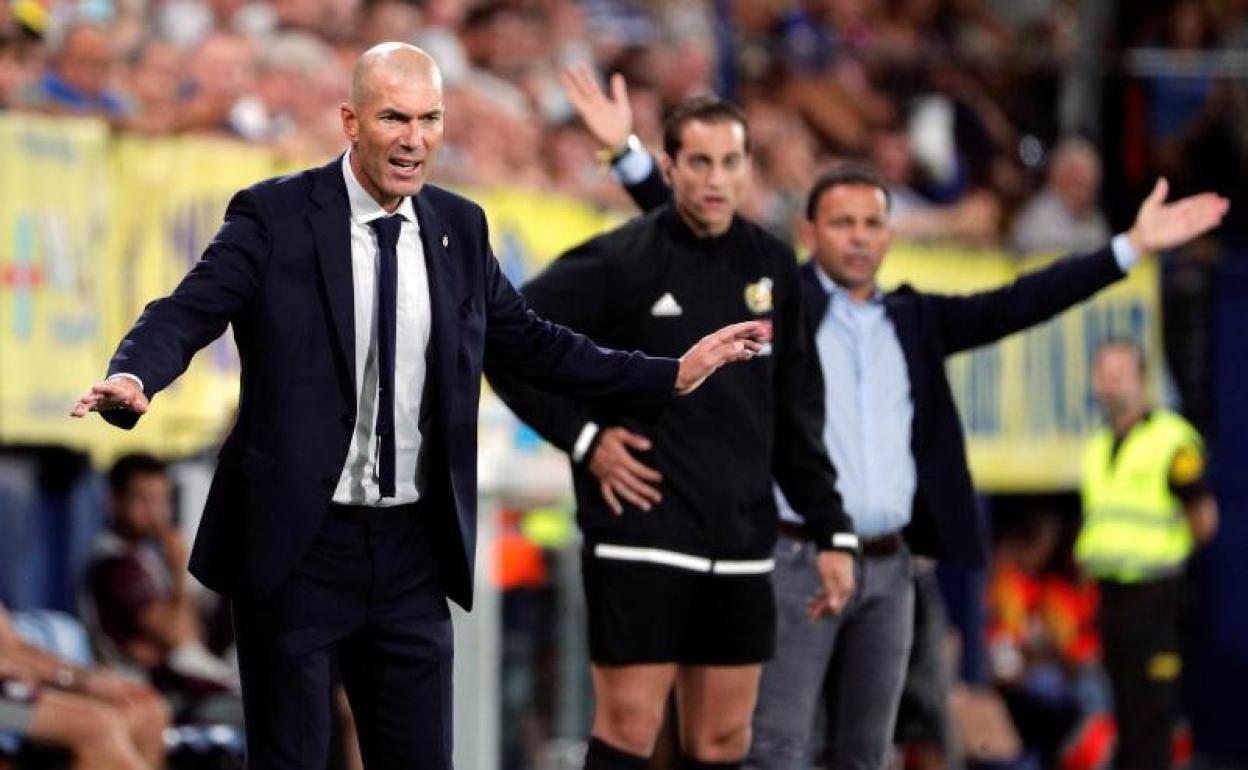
279,272
945,522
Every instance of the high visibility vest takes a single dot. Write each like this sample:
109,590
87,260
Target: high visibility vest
1134,527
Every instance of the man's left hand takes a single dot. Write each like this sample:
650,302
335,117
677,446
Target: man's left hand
1160,225
836,574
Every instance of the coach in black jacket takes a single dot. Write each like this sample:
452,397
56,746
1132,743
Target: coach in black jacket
342,512
883,356
932,327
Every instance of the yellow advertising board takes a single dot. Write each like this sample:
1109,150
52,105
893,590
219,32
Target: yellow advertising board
54,219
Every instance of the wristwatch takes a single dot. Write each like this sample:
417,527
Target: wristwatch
610,157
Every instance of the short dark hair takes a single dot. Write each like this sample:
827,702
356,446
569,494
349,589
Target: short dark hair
846,174
706,109
131,465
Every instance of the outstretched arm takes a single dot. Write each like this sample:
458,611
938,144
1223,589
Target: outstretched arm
172,329
978,319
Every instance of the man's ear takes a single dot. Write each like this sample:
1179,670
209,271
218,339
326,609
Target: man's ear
350,123
665,167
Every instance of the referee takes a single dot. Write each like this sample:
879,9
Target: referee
679,517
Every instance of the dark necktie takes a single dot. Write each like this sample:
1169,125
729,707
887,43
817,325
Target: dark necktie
387,230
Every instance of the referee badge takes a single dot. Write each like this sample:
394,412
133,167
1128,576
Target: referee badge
758,296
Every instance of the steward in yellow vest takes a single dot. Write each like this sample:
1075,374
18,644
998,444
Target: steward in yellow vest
1134,522
1145,507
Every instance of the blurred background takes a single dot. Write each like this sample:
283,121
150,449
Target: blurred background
1008,131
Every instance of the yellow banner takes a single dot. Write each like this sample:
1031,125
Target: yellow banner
54,217
91,229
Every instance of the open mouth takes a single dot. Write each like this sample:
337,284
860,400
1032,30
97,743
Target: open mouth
405,167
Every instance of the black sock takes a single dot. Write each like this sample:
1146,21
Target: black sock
604,756
689,763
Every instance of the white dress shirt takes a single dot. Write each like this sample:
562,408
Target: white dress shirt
358,484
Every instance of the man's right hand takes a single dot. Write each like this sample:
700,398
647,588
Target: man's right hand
622,475
115,393
608,118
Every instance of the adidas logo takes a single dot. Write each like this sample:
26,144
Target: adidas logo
666,307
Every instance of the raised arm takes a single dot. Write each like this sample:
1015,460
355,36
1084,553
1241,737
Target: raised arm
609,119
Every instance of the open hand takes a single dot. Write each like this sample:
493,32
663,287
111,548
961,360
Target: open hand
622,475
117,393
738,342
836,574
1160,225
608,118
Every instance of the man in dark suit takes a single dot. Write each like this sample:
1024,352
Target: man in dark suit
342,513
892,430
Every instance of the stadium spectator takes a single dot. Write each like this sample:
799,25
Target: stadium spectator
973,220
155,79
78,78
143,612
104,721
1064,216
222,74
1043,644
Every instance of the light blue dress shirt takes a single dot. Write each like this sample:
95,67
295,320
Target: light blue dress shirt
869,409
869,412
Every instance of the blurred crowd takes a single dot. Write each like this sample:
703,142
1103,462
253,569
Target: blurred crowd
971,109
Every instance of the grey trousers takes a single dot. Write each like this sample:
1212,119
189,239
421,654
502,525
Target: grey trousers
861,655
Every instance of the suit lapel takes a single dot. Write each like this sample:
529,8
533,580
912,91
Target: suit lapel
813,295
330,222
443,294
906,325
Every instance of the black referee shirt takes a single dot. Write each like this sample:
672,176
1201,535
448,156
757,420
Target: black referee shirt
652,285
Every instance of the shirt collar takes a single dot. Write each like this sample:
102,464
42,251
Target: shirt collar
364,208
839,292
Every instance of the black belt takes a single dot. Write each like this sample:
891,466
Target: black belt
870,547
376,513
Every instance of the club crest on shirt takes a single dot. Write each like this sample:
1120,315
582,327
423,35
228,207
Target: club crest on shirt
758,296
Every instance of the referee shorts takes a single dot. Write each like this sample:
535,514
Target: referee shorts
656,606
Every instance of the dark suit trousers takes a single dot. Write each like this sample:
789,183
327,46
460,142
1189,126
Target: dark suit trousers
364,600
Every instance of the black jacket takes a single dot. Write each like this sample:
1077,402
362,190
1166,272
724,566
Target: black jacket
652,285
279,272
944,522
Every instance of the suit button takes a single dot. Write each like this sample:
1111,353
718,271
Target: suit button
348,421
329,483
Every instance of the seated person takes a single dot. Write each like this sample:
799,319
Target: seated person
1043,644
102,720
143,613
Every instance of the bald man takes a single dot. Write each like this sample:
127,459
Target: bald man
343,511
